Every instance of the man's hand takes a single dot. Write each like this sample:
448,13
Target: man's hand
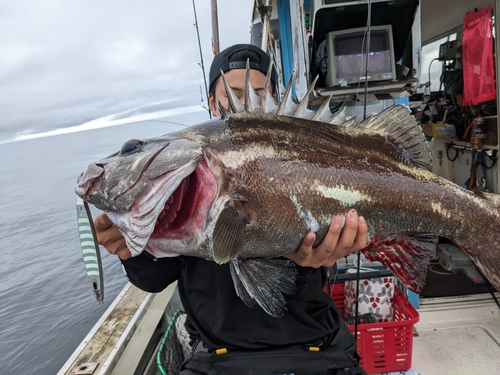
337,243
110,237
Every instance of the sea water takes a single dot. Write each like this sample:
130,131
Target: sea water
46,303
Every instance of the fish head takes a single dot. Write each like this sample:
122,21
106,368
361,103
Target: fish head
152,189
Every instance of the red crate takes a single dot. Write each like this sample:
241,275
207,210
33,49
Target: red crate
387,346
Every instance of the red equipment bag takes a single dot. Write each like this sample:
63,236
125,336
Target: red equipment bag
478,64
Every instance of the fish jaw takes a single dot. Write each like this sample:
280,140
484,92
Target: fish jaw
168,217
185,233
114,183
138,223
89,179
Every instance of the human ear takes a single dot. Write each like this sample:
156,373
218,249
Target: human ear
211,103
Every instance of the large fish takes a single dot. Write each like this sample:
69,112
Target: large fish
247,187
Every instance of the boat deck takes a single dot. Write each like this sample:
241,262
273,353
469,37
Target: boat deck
124,333
455,335
458,335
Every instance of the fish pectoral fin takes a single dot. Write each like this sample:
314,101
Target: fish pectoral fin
263,282
239,287
408,257
228,232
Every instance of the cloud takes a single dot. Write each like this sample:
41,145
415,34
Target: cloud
126,117
66,63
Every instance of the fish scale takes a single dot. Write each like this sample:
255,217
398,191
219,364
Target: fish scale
261,181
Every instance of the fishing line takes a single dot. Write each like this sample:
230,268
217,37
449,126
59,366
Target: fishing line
361,68
167,122
358,268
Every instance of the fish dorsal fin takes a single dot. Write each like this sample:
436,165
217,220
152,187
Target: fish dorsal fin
252,99
395,123
302,111
399,126
268,103
323,111
288,106
234,103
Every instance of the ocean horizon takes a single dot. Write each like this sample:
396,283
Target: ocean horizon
47,304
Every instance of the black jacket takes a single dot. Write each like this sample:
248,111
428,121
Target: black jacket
218,317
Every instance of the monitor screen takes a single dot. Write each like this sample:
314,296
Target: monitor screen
349,54
346,54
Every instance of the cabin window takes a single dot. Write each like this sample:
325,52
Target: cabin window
430,65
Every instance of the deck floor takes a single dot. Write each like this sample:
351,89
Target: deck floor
458,336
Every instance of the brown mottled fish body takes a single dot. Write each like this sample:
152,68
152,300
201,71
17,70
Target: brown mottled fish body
299,172
249,186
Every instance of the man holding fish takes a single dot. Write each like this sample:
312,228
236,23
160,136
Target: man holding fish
256,342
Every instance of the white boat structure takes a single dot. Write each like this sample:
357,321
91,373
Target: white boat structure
455,334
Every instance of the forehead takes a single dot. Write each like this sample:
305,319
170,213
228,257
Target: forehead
236,79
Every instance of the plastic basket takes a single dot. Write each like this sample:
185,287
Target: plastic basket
387,346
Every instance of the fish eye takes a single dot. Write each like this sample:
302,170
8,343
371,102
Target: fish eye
131,146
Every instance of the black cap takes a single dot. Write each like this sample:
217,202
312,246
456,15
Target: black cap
221,62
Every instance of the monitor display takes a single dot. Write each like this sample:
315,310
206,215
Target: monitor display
347,56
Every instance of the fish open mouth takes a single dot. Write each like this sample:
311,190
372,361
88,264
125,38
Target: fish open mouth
179,207
184,212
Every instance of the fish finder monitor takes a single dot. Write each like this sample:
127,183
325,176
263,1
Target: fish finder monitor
346,51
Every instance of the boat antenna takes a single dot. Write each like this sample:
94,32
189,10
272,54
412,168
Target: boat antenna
367,53
202,65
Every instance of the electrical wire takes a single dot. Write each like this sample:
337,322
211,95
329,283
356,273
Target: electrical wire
448,147
430,64
433,270
482,160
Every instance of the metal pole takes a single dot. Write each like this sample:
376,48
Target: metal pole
265,14
215,28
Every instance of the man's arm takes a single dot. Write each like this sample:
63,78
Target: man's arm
345,236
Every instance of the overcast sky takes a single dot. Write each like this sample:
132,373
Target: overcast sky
65,63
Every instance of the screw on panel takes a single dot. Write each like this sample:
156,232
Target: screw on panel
86,368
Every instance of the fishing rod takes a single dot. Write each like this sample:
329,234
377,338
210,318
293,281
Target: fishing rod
202,65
